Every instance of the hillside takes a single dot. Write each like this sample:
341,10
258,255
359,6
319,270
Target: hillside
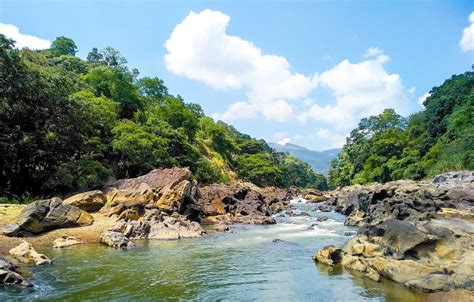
69,124
319,160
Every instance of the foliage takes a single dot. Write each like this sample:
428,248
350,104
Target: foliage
69,125
388,147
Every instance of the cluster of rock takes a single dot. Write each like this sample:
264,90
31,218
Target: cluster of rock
165,204
419,234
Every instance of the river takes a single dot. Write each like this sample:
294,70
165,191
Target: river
246,264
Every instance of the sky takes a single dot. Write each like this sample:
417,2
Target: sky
303,72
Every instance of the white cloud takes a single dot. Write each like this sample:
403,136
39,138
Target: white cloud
22,40
335,140
360,89
373,52
284,141
199,48
467,40
422,98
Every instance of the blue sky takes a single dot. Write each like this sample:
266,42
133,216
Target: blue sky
299,71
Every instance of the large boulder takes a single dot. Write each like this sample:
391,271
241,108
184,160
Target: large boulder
25,253
243,203
171,190
88,201
45,215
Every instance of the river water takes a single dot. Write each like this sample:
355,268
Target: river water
247,264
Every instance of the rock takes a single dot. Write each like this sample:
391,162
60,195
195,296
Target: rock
116,240
322,218
25,253
45,215
175,228
220,227
88,201
171,190
329,255
243,203
9,275
419,234
401,236
314,196
66,241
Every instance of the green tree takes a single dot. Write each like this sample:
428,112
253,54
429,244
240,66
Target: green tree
63,46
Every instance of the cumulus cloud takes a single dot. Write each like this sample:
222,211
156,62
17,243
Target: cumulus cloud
467,40
360,90
199,48
373,52
422,99
23,40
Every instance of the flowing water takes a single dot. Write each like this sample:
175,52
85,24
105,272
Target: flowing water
247,264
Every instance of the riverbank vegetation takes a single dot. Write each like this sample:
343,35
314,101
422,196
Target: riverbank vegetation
68,125
389,147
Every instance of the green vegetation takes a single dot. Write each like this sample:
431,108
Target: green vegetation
68,125
389,147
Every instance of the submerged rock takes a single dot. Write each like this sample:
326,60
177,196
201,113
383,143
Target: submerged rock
45,215
88,201
25,253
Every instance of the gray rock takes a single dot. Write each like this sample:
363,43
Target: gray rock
10,276
45,215
116,240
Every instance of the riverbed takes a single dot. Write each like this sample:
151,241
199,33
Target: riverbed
251,263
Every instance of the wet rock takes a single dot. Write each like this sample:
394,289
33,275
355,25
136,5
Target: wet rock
329,255
220,227
314,196
45,215
88,201
116,240
322,218
9,275
66,241
25,253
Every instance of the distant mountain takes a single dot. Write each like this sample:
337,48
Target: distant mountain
319,160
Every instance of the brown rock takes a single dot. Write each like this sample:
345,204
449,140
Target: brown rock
88,201
168,189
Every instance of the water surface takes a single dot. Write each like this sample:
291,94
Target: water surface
243,265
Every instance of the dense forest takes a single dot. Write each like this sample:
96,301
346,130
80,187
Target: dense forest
389,147
68,125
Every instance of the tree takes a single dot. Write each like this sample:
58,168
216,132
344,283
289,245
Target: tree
63,46
94,56
152,88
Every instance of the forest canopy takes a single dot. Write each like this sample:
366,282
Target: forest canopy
390,147
69,124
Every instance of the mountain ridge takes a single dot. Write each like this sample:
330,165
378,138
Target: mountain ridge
319,160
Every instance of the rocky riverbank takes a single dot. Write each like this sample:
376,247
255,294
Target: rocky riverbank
420,234
165,204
